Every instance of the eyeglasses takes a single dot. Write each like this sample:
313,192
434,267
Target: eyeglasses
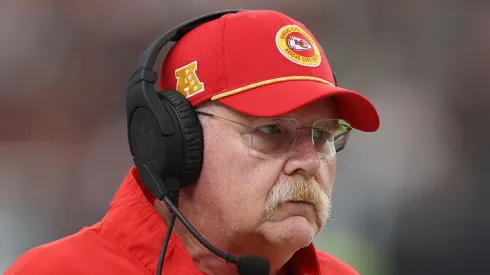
278,135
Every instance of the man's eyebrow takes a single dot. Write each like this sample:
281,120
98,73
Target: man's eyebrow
333,123
250,118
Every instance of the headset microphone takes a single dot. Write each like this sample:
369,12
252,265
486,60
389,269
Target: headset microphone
166,142
253,265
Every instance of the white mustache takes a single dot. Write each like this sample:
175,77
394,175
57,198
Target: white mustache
295,189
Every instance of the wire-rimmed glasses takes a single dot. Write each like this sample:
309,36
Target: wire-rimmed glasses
278,135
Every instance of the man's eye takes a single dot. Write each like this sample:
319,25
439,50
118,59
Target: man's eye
323,135
270,129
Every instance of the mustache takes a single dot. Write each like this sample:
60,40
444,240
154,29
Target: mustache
301,190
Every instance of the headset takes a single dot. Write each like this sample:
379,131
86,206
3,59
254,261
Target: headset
165,134
166,138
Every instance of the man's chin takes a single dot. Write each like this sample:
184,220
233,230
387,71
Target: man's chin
294,231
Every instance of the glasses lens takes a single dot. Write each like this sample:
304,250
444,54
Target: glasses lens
274,136
330,135
342,135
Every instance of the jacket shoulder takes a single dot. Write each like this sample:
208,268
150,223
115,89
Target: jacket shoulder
329,265
62,256
37,260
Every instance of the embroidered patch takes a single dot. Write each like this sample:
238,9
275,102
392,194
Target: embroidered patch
188,83
298,46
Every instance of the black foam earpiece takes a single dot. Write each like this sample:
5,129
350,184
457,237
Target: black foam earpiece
192,150
171,161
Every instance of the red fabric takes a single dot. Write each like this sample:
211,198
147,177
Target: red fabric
250,47
128,240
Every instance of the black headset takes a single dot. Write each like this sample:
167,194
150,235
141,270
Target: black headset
164,132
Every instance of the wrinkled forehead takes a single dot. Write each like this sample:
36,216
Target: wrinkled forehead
321,109
324,108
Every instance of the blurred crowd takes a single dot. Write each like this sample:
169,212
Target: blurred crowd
409,199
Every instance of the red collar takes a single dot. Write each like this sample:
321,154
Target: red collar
134,223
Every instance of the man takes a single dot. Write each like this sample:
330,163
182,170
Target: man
273,121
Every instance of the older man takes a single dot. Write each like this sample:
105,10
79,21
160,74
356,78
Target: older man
273,121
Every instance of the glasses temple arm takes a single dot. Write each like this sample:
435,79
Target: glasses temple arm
213,115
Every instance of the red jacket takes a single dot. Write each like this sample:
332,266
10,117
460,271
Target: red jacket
128,240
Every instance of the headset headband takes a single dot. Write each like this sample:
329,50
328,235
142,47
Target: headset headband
142,70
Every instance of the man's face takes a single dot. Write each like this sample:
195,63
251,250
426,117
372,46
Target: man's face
249,196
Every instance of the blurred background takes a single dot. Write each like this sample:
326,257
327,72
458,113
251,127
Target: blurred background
409,199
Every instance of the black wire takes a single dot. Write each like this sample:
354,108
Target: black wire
165,243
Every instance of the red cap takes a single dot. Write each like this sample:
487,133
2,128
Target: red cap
262,63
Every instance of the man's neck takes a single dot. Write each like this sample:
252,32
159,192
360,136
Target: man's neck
208,262
211,264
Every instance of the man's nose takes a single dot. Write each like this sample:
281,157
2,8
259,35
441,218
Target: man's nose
304,159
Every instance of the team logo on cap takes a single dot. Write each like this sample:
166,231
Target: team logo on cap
188,83
298,46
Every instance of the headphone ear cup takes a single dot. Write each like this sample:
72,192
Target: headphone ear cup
192,135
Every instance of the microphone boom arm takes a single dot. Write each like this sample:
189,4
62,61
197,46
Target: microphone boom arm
228,257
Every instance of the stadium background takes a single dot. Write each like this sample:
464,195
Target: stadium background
410,199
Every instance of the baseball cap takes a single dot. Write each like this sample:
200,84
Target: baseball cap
261,63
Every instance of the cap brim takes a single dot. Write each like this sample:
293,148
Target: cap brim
284,97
